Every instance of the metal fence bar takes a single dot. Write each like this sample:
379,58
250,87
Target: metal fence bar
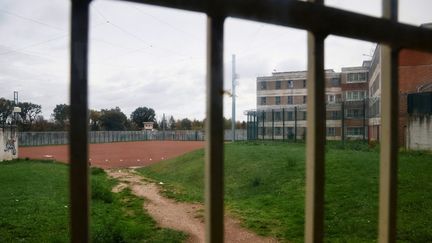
314,201
214,160
78,173
389,142
319,19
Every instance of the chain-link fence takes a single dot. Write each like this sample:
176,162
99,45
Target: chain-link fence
347,120
58,138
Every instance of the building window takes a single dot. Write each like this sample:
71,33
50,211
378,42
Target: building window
278,116
356,77
375,85
304,99
354,131
278,131
331,98
278,85
290,84
334,115
331,131
290,100
290,116
335,82
354,113
290,132
304,83
278,100
263,85
355,95
263,100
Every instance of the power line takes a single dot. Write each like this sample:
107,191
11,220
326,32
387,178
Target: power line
169,25
134,35
31,20
32,45
18,49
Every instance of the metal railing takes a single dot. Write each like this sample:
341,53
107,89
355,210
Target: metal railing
312,16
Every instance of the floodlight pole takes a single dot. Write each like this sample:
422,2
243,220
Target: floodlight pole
233,120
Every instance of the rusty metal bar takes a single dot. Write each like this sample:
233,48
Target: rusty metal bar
316,18
78,147
389,130
214,158
315,140
314,202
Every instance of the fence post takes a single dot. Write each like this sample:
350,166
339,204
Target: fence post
295,124
272,124
263,122
256,125
343,121
364,119
283,124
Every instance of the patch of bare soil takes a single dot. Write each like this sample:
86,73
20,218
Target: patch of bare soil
186,217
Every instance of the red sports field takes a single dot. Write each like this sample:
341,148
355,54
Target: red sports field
117,155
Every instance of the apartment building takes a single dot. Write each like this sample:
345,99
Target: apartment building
415,75
352,99
354,85
281,104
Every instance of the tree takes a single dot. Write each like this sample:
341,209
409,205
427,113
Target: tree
113,119
197,125
61,115
6,107
94,117
163,123
28,114
172,123
141,115
185,124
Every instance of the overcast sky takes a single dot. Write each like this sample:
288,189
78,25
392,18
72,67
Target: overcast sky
149,56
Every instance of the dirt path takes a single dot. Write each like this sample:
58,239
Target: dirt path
185,217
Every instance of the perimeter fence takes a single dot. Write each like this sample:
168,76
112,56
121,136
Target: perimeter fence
345,120
62,137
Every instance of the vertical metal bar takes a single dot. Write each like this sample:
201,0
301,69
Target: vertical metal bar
78,147
263,118
273,132
283,124
256,125
364,120
295,123
343,121
389,123
214,193
314,215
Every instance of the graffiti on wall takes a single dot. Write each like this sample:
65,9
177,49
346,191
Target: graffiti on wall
10,146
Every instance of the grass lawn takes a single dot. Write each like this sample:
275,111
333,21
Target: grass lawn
34,207
264,186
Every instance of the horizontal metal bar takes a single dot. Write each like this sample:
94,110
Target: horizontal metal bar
315,18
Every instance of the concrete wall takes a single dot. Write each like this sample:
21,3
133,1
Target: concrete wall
8,144
419,133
